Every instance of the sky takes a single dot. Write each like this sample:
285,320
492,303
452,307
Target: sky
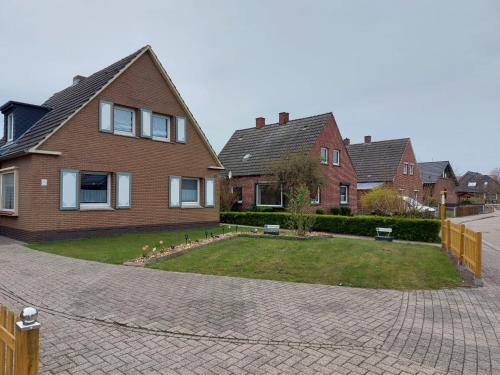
428,70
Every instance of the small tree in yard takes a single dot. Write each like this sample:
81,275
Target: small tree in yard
495,174
384,200
227,196
299,203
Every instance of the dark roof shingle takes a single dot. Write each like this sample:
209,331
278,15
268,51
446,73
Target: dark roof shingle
377,161
432,171
63,104
477,183
269,143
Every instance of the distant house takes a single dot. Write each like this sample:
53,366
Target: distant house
114,152
479,186
249,152
390,163
438,176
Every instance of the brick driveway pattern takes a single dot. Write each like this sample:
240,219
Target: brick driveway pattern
100,318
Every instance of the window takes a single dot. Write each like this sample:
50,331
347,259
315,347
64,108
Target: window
316,197
344,194
238,194
472,184
8,191
94,190
190,192
268,195
123,190
405,168
146,123
124,121
106,116
209,192
180,131
161,127
324,155
411,169
10,127
69,189
336,157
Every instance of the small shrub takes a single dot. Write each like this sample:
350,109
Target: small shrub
320,211
335,210
298,205
345,211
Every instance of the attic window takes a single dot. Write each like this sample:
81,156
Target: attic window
471,184
246,157
10,127
240,138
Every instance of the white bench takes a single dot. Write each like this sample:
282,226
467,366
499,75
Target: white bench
272,229
384,234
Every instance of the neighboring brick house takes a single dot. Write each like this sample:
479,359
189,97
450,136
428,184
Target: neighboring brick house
249,152
115,152
479,186
390,162
438,176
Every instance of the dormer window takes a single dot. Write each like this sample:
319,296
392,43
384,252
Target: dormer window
10,127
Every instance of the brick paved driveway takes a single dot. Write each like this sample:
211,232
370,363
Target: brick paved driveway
100,318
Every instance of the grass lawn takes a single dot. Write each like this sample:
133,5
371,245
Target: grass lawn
358,263
118,249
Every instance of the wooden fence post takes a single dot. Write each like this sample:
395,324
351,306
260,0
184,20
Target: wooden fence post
27,343
479,256
448,235
461,244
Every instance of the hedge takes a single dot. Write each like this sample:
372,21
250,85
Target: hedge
424,230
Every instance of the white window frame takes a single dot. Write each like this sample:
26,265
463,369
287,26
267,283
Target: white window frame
346,201
156,138
317,200
209,180
10,170
177,130
412,167
118,205
95,206
257,196
10,127
325,160
190,204
119,132
337,153
405,168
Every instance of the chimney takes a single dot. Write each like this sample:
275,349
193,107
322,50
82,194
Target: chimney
77,79
284,116
368,139
347,141
260,122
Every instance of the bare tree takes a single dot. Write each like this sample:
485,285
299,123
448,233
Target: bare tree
495,174
227,195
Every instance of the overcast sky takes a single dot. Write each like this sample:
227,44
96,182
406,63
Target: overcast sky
429,70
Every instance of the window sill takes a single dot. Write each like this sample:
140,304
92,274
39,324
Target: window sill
95,208
160,139
323,162
191,206
125,134
269,205
8,213
336,165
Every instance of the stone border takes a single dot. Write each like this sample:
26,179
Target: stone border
193,245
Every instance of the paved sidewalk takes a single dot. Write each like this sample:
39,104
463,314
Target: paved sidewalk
100,318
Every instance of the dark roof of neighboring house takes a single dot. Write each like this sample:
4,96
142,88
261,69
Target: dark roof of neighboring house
63,104
474,182
432,171
250,151
377,161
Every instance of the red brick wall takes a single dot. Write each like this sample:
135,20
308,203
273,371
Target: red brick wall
434,190
151,162
333,175
407,184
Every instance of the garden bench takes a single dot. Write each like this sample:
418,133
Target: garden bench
383,234
272,229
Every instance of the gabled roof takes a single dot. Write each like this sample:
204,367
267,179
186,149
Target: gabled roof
65,104
377,161
432,171
250,151
473,182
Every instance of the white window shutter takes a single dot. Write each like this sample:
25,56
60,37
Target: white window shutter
123,190
146,119
106,116
209,192
69,189
180,130
174,192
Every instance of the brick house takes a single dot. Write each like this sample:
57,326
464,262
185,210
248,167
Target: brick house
114,152
438,176
248,154
390,163
478,186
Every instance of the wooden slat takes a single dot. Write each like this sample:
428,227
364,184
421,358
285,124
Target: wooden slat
9,356
7,338
3,347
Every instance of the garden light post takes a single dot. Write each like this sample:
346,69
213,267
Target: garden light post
442,206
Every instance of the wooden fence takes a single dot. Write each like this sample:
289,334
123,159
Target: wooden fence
465,244
19,344
469,210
